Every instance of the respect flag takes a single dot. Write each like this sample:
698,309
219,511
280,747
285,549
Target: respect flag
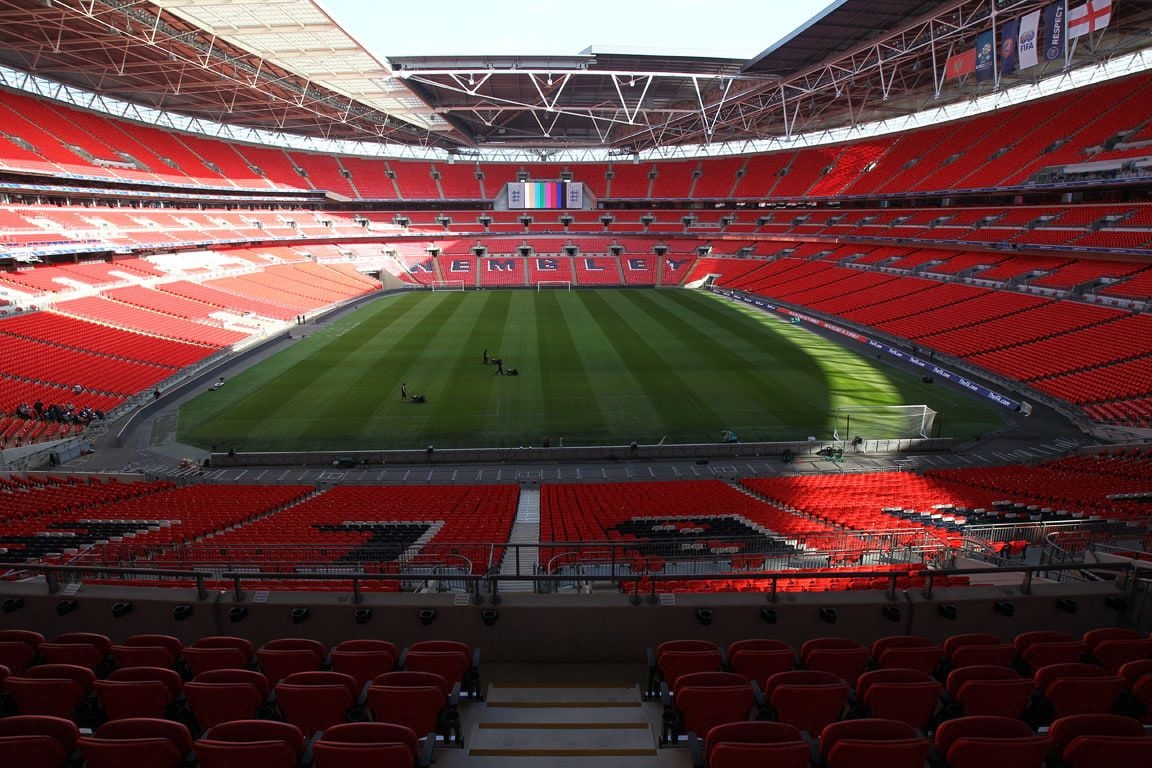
985,56
1026,40
960,64
1093,16
1052,30
1008,32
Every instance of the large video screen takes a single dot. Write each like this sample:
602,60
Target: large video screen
546,195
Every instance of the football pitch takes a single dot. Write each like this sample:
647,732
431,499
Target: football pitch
596,367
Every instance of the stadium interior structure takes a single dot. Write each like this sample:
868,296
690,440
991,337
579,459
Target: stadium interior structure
182,183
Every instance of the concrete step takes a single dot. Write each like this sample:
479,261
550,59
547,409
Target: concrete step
562,739
566,696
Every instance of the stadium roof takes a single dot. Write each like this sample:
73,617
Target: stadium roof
285,66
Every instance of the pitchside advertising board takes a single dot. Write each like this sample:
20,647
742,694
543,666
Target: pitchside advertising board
881,347
545,195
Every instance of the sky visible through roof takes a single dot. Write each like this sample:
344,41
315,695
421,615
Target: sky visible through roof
731,28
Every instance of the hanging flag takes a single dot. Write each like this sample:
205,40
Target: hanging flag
1052,30
985,56
960,64
1093,16
1026,40
1008,32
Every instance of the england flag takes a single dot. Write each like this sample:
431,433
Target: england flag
1093,16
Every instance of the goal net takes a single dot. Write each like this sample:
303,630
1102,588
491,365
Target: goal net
564,285
446,285
882,422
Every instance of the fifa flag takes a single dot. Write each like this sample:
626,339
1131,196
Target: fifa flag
1052,40
1026,40
1093,16
960,64
985,56
1008,32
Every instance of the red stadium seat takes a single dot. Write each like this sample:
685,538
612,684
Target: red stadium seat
987,741
284,656
138,692
1100,741
807,699
19,648
220,695
872,743
749,743
983,649
148,651
85,649
456,662
218,652
908,695
37,741
842,656
673,658
1076,688
988,690
422,701
760,659
251,744
313,701
370,745
51,689
907,652
137,743
364,659
706,699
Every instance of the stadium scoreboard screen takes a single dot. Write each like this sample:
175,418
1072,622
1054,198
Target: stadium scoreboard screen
546,195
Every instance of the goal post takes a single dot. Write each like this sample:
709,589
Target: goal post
882,422
446,285
553,285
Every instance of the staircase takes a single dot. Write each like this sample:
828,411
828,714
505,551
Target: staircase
525,531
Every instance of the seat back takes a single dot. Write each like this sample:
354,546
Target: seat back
367,745
1065,729
134,698
757,664
872,742
31,741
1114,654
675,664
277,663
451,665
807,699
51,689
417,707
741,755
207,658
149,650
364,659
16,655
221,695
911,703
313,701
137,743
251,744
845,663
1043,654
702,707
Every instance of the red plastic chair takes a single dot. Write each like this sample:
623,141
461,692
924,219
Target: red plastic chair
751,743
977,649
18,648
908,695
871,743
85,649
422,701
313,701
369,745
285,656
1100,741
456,662
704,700
760,659
148,651
138,692
218,652
1076,688
37,741
806,698
137,743
51,689
364,659
989,690
251,744
986,741
842,656
220,695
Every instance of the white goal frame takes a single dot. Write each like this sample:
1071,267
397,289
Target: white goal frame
446,285
561,284
882,421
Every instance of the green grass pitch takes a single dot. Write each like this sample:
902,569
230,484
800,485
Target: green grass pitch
596,367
